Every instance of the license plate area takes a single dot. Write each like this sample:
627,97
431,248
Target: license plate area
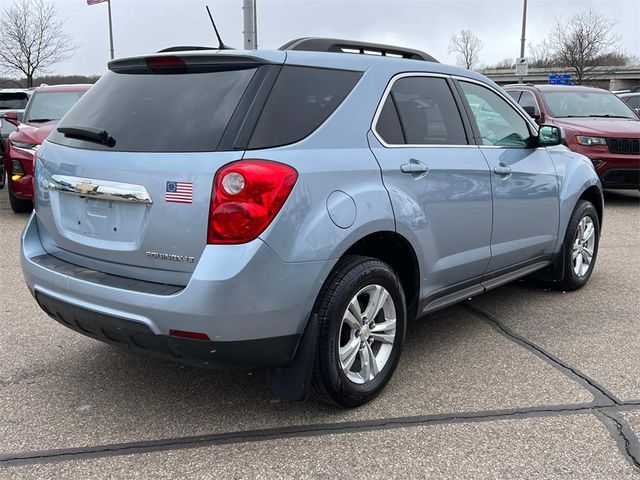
102,224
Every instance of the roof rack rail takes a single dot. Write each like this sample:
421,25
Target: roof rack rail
317,44
185,48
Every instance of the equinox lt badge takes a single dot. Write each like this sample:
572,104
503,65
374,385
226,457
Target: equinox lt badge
171,257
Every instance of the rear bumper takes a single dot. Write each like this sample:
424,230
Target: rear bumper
251,304
137,337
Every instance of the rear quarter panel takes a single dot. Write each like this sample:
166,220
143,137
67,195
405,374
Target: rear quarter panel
334,158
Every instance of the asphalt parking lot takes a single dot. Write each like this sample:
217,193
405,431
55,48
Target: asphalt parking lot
522,382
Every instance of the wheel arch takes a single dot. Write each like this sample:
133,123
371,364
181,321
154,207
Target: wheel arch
395,250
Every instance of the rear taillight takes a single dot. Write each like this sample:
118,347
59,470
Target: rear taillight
246,197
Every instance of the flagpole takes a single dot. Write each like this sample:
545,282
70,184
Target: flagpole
110,28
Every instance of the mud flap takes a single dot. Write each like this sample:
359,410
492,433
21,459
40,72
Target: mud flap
554,272
294,382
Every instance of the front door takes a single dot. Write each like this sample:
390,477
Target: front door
525,185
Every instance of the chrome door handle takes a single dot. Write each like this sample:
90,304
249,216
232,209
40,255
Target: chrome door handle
100,189
414,166
503,170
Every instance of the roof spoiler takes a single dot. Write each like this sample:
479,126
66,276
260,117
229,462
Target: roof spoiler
316,44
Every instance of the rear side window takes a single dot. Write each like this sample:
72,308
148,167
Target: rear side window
301,100
427,111
11,101
159,113
388,126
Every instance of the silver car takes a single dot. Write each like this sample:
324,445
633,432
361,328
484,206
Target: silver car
295,209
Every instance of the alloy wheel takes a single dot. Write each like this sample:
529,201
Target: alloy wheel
367,334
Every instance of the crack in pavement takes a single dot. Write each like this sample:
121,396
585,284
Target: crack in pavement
606,403
176,443
622,433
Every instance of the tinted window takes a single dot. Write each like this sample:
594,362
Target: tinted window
428,113
11,101
301,100
388,125
46,106
633,101
529,100
498,122
159,113
593,103
515,94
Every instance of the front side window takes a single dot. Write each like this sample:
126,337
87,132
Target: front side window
528,100
427,113
498,122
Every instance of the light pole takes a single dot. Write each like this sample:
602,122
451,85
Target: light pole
250,25
110,28
524,33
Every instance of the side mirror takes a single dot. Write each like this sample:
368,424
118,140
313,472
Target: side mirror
637,110
531,111
550,135
11,117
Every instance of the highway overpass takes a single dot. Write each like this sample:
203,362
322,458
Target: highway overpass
612,78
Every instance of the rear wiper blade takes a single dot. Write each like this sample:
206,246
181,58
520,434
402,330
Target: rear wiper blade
39,120
91,134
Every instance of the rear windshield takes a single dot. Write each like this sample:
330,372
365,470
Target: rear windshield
301,100
47,106
13,101
159,113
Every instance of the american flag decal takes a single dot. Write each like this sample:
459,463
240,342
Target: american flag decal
179,192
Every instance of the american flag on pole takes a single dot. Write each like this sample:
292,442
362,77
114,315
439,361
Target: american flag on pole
179,192
94,2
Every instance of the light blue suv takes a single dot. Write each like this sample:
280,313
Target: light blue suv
295,209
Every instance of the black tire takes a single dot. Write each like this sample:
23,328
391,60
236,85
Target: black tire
329,382
3,175
18,205
571,280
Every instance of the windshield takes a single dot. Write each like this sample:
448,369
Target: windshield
586,104
13,101
46,106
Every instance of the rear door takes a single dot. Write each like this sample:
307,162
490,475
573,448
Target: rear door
136,203
524,181
439,183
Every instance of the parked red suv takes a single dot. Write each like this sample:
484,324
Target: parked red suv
596,123
47,105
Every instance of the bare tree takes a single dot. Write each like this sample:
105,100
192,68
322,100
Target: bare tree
467,47
32,38
583,42
542,55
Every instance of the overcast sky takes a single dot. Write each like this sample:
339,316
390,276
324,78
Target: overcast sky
142,26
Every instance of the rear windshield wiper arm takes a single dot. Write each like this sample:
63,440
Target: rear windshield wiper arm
91,134
39,120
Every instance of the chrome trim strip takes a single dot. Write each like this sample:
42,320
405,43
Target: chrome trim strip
100,189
